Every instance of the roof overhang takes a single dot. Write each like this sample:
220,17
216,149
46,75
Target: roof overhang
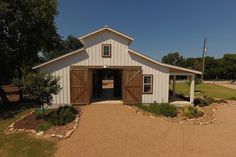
58,58
106,29
173,69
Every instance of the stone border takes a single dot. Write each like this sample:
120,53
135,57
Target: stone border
207,118
11,129
68,132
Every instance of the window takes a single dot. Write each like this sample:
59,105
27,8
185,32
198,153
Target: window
147,84
106,50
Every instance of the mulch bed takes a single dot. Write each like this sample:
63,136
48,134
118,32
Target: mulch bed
29,122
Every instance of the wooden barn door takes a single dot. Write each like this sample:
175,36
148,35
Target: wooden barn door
132,85
79,85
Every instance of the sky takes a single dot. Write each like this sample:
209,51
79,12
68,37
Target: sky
157,26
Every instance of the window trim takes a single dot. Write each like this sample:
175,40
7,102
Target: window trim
151,91
106,56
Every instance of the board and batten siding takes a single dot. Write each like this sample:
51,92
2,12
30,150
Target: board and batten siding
120,56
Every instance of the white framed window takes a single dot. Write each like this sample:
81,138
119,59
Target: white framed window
147,83
106,50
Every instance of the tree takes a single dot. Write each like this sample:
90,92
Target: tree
229,62
27,27
173,59
189,62
213,68
38,87
69,44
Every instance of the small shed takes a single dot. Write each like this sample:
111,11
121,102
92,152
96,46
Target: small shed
107,58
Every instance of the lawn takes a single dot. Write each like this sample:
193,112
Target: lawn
214,91
22,145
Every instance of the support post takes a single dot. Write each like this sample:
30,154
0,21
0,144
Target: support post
174,84
192,84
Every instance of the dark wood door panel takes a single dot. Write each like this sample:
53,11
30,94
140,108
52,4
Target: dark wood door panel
132,85
79,86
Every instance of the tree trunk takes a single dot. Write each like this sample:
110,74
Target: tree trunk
3,96
20,95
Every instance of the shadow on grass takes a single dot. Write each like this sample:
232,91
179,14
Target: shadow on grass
178,97
10,110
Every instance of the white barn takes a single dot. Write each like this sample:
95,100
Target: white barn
137,78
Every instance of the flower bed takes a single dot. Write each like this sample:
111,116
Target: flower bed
41,127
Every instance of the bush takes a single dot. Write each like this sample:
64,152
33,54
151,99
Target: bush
192,112
43,127
205,101
144,107
160,109
40,113
168,110
38,87
62,115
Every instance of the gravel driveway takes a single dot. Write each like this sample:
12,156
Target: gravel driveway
108,130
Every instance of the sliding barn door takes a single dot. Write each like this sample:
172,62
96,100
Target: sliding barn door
132,85
79,85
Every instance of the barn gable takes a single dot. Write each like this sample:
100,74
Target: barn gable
105,34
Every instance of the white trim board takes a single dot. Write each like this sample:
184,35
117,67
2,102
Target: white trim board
163,64
58,58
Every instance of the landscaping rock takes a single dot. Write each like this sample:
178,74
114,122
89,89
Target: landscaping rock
208,117
40,133
58,132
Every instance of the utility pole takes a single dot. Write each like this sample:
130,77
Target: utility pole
205,49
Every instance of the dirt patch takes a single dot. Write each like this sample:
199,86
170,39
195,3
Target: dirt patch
29,122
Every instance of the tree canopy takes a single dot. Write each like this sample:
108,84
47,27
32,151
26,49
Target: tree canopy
27,27
215,68
69,44
173,58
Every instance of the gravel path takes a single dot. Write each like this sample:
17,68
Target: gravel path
113,130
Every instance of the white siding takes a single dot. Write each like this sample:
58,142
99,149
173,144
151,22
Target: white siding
91,56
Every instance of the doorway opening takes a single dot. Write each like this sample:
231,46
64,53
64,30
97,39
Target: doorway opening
106,84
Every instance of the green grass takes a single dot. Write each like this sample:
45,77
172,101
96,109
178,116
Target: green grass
211,90
22,145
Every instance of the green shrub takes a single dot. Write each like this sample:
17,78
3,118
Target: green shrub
168,110
192,111
38,87
144,107
205,101
40,113
43,127
62,115
160,109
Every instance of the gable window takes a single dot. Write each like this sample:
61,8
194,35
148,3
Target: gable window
147,83
106,50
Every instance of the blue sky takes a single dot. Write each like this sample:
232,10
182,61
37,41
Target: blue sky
157,26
